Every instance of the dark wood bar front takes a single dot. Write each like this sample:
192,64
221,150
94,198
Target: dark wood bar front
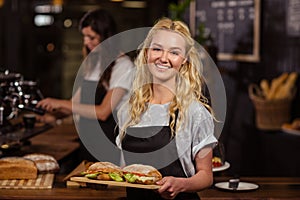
62,142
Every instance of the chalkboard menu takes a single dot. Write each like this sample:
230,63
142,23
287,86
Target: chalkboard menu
293,18
233,24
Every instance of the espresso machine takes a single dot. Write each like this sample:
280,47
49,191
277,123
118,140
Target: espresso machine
16,97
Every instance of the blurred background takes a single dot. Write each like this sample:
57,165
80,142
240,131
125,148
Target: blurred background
40,39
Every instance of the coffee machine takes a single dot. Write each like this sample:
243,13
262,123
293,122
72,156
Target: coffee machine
17,94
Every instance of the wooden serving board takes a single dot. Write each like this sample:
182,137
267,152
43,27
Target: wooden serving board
43,181
114,183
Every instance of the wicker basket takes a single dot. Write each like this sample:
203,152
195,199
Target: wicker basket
269,114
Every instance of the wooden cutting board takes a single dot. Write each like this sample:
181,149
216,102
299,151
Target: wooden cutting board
113,183
43,181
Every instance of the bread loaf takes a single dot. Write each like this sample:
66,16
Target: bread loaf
17,168
44,163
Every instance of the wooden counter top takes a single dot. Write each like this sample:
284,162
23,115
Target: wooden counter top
56,140
270,188
62,140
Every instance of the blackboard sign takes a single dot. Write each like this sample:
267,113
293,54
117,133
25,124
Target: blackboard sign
293,18
234,25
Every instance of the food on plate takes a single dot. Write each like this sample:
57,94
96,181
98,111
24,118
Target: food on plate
143,174
17,168
104,171
45,163
296,124
293,127
216,161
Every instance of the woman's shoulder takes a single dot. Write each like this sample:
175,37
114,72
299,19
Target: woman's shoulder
124,60
196,105
197,109
123,67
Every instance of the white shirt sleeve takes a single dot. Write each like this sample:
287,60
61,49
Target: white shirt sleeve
122,74
202,130
197,134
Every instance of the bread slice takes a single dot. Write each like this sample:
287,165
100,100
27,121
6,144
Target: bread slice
17,168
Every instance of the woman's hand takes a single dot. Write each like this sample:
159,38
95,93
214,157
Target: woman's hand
170,187
49,104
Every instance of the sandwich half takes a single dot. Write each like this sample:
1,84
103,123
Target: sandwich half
106,171
142,174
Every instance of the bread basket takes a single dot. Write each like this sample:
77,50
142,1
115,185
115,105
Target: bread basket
269,114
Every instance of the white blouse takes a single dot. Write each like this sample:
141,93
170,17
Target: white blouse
194,134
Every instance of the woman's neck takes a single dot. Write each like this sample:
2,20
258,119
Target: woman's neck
161,94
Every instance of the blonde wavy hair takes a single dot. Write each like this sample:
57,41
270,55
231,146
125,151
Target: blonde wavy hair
189,80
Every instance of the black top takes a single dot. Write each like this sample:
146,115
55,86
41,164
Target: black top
159,137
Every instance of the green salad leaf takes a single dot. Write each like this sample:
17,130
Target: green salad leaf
116,177
131,178
92,176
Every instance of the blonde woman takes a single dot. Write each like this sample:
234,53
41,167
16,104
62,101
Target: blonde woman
167,119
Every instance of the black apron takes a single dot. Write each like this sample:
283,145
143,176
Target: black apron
143,145
108,126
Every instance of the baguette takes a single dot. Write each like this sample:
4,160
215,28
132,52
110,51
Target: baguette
286,89
265,87
17,168
275,85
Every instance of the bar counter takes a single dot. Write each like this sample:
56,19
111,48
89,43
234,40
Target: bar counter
61,141
269,189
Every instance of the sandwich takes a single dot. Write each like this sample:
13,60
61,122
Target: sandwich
106,171
141,174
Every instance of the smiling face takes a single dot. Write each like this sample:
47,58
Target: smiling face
165,55
90,38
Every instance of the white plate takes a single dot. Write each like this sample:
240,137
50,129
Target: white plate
243,186
221,168
288,129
